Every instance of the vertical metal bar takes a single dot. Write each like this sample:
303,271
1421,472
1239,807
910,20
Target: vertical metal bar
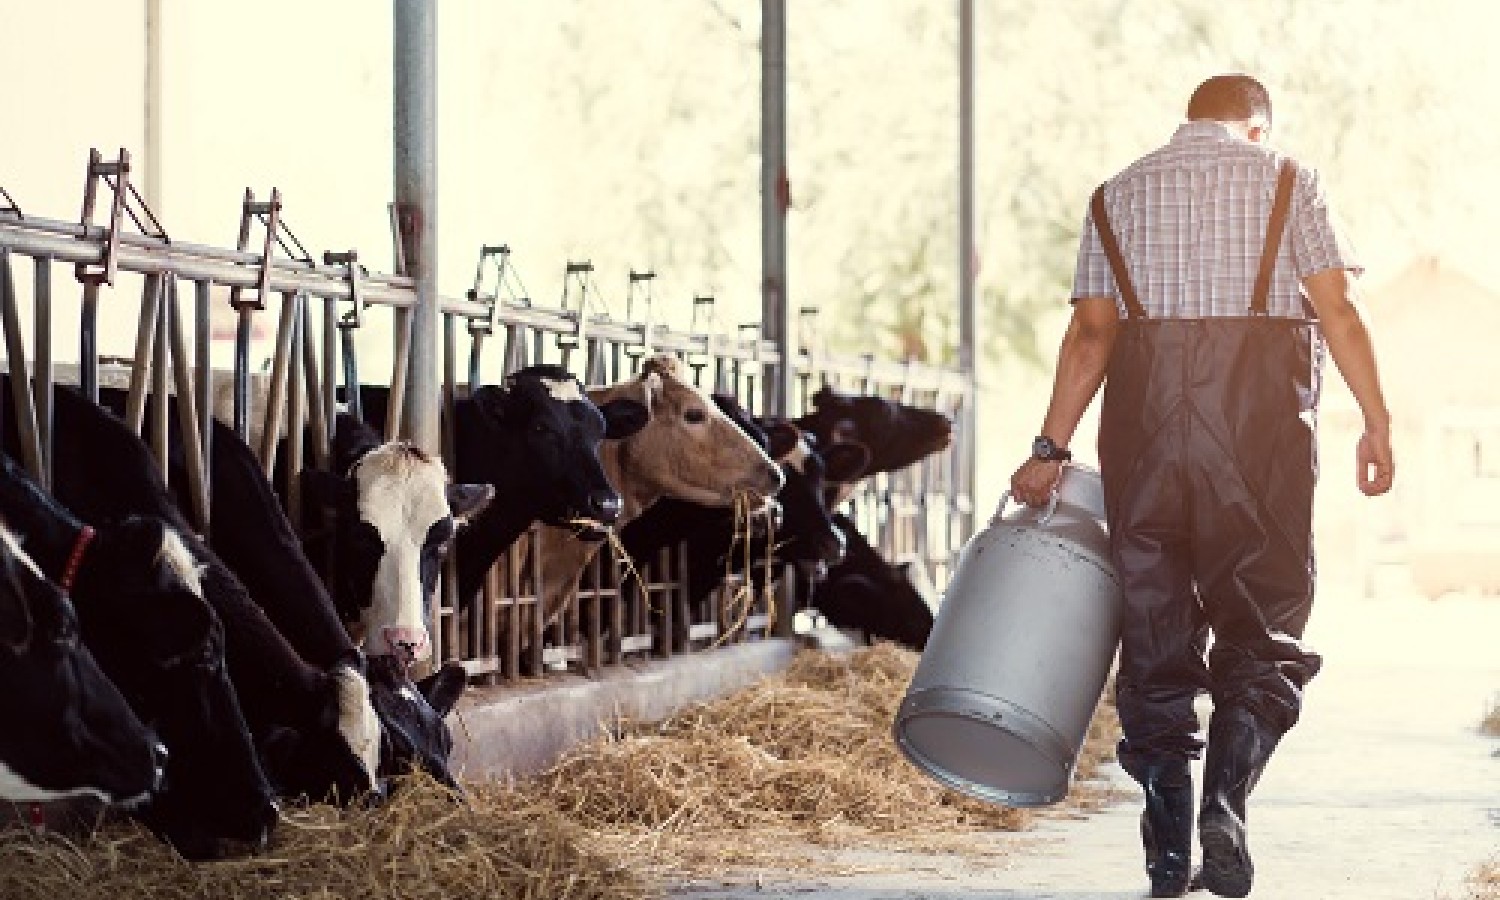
317,424
203,377
15,355
153,105
194,437
41,372
350,357
281,365
145,339
401,365
775,197
160,437
329,412
415,174
88,341
296,411
968,361
243,328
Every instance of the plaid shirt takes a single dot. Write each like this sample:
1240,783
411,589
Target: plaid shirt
1191,220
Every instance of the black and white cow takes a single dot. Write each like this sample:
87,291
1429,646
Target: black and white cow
535,438
104,472
337,745
139,594
897,434
882,600
71,733
394,517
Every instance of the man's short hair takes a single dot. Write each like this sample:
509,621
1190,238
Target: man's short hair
1230,98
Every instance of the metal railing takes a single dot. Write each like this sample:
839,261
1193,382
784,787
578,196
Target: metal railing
922,513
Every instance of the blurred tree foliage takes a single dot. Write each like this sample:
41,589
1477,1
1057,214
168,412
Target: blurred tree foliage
656,117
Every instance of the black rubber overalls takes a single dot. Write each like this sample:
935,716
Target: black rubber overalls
1208,456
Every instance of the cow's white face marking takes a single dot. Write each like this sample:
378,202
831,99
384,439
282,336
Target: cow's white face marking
796,458
564,390
357,722
174,553
401,494
15,788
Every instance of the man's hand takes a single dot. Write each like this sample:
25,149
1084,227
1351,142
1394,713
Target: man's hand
1034,482
1375,467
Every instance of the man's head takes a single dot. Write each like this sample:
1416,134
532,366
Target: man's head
1237,100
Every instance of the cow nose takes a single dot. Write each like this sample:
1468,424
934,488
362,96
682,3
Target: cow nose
604,506
406,644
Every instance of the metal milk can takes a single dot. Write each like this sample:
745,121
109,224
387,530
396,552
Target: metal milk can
1023,643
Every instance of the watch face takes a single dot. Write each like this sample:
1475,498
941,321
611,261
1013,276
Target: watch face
1042,448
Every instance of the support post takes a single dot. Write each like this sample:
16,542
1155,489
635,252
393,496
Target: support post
968,359
415,164
777,322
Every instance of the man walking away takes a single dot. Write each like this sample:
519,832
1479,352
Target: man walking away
1210,275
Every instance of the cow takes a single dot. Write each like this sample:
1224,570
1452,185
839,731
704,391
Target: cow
71,733
139,594
340,748
881,600
688,449
535,438
897,434
394,517
804,537
103,471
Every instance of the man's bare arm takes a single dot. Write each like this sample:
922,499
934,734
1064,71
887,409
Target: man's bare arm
1082,361
1343,325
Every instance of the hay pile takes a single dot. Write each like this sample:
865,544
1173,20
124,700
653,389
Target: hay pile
808,751
420,845
1490,724
1484,884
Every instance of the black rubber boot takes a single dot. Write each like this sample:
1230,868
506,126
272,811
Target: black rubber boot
1238,749
1167,827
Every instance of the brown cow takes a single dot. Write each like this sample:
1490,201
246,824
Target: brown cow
688,450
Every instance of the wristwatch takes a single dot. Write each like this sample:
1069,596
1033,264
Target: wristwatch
1046,448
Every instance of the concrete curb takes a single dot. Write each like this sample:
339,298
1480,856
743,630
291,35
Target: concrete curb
509,731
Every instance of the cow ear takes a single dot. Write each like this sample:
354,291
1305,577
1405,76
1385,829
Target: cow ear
328,489
781,439
443,688
467,501
623,417
845,461
825,397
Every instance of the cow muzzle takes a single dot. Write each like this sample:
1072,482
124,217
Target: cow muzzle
406,644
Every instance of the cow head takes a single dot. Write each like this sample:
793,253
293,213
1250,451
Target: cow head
807,536
896,434
414,734
396,516
72,733
689,449
140,595
540,422
337,756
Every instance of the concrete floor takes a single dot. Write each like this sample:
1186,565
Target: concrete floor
1385,791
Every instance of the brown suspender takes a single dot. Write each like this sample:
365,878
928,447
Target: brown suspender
1275,228
1116,261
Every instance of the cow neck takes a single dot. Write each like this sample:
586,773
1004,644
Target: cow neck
50,533
500,525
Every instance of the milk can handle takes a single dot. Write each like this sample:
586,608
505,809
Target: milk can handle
1046,515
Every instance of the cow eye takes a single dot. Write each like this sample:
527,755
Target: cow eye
694,415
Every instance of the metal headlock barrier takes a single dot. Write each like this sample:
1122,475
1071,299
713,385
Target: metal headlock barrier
922,513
